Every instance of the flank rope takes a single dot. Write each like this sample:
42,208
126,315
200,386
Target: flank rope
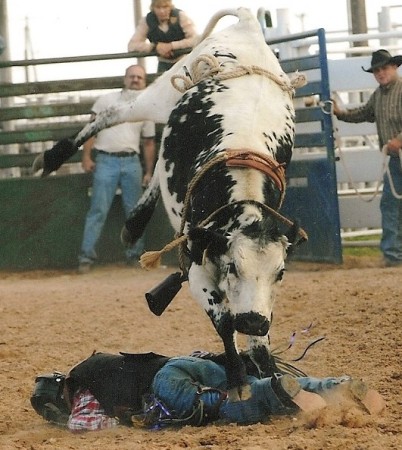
215,70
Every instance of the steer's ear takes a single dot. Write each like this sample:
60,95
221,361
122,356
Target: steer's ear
294,237
204,239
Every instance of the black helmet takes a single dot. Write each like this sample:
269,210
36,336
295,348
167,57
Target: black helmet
48,400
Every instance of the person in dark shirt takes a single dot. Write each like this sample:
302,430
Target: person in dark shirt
165,29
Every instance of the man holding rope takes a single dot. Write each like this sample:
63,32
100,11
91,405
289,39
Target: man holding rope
384,107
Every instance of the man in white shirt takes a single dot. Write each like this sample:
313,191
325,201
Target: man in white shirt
117,164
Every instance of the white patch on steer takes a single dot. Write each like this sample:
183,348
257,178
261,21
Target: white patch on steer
261,106
258,271
249,184
253,288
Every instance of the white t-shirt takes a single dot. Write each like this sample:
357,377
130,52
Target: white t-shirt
126,136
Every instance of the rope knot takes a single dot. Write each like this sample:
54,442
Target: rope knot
299,80
197,72
211,68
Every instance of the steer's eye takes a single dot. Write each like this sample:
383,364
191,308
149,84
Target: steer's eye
232,269
280,274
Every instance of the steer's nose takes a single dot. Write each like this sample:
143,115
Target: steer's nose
251,323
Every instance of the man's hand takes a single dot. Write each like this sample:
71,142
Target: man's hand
146,179
164,49
88,165
393,146
335,107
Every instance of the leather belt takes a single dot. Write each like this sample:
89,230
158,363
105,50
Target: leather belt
118,154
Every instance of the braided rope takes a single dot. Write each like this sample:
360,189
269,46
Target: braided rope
216,71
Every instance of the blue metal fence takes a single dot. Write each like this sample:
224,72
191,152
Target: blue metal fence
311,195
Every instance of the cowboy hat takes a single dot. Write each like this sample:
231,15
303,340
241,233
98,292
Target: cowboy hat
381,58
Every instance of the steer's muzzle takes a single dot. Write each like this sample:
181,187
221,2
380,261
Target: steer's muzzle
251,323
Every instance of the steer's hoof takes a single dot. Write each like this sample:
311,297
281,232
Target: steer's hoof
125,237
239,393
369,399
39,163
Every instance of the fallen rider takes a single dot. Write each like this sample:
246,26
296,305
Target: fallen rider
152,390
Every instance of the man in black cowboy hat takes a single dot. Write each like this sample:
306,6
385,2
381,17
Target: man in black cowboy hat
384,107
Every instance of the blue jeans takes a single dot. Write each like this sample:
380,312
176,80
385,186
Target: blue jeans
391,214
176,385
110,173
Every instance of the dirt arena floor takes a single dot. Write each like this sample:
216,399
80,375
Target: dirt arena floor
52,320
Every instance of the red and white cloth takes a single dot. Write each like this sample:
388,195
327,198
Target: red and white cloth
87,413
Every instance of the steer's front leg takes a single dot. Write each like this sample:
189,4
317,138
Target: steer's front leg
238,387
260,354
203,288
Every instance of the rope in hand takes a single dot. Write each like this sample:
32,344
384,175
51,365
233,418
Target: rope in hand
342,157
384,167
213,69
391,181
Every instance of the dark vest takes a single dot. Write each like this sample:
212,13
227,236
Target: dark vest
116,380
121,380
174,33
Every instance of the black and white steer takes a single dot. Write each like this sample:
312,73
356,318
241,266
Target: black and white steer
229,135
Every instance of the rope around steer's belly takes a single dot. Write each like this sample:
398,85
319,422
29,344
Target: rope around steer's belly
216,71
275,171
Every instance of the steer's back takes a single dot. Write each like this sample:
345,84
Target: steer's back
228,110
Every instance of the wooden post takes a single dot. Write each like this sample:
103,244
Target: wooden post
137,17
5,73
358,21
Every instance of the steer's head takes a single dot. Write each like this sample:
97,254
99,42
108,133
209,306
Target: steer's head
246,267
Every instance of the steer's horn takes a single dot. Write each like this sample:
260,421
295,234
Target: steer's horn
160,296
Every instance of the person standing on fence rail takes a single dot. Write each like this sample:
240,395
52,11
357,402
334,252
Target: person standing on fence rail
384,107
117,164
165,29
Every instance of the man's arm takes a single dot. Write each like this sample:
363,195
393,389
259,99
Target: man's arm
395,144
190,33
149,160
364,113
139,41
87,163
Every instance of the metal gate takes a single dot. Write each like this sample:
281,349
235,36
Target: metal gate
311,194
41,220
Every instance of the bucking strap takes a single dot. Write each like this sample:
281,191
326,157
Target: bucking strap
263,163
